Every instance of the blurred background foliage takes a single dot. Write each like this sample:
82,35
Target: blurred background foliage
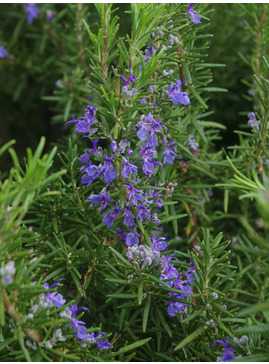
44,81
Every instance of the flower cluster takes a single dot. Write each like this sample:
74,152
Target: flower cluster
7,273
253,122
128,168
175,280
54,299
178,96
228,354
146,255
195,17
83,124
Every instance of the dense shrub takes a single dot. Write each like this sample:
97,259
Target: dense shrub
142,238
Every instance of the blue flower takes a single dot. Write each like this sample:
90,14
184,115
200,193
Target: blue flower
134,194
169,154
189,272
31,11
195,17
170,273
84,123
253,122
113,146
82,126
110,216
108,170
132,238
228,354
128,168
92,172
103,198
175,307
81,330
158,243
103,344
94,149
129,217
143,213
178,96
121,233
148,55
55,297
3,52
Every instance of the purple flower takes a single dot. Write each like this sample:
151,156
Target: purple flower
195,17
128,168
121,233
148,167
158,243
82,127
158,201
103,198
132,238
175,307
178,96
3,52
149,125
148,55
228,354
253,122
111,215
92,170
31,11
94,149
113,146
129,217
151,88
50,15
169,154
108,170
89,112
85,157
165,262
143,100
170,273
103,344
87,120
143,213
55,297
183,286
81,330
189,272
123,144
134,194
132,78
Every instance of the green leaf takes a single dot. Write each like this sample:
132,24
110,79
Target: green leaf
146,313
172,218
125,261
163,322
253,329
191,337
140,293
133,346
254,309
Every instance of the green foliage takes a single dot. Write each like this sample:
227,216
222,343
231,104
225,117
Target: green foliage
215,202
